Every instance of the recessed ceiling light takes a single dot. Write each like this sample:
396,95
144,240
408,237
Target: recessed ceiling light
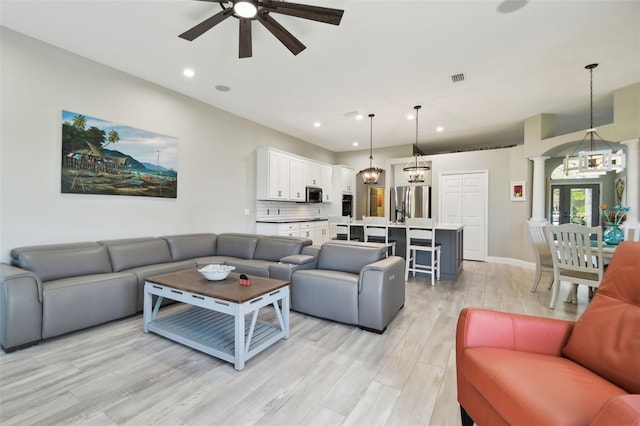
188,72
222,88
359,117
439,129
355,144
410,116
510,6
317,124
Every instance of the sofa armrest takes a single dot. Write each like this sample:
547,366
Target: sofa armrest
621,410
299,259
487,328
381,291
20,307
284,269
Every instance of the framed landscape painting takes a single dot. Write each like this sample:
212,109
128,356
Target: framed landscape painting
101,157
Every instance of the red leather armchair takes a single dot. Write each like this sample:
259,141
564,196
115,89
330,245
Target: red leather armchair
522,370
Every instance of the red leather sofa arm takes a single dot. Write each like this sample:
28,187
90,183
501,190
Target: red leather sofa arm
619,411
485,328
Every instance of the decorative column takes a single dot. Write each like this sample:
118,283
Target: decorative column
633,179
537,197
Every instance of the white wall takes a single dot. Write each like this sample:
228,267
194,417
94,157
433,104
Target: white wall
216,152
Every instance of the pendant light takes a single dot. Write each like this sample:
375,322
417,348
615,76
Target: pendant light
416,169
593,162
371,175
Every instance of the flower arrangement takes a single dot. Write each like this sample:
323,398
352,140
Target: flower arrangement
616,216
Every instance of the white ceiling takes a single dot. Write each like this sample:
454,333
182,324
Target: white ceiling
384,58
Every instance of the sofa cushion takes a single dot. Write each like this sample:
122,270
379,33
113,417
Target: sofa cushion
606,338
275,248
134,252
558,391
74,303
52,262
236,245
326,294
190,246
349,257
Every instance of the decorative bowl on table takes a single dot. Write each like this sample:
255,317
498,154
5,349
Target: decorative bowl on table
216,272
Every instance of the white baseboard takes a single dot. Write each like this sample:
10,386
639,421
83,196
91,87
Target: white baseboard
512,262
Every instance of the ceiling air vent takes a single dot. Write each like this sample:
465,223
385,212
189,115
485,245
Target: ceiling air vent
457,78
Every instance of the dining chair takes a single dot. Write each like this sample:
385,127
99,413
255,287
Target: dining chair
340,227
376,230
632,232
575,258
421,236
544,262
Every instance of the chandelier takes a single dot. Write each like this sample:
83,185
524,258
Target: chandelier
417,168
371,174
593,162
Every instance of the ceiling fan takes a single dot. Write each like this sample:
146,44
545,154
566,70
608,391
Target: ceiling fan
261,10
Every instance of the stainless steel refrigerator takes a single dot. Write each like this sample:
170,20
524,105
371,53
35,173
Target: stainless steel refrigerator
409,201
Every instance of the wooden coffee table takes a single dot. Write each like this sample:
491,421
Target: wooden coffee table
217,323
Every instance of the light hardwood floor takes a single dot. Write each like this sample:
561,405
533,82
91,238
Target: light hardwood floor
324,374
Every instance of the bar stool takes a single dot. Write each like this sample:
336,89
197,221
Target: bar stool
421,236
376,230
340,228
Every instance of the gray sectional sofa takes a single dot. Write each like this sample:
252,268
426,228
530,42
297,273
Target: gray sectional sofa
353,283
50,290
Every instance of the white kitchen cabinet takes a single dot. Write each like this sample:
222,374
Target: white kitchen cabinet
307,231
313,174
285,229
321,232
297,179
327,184
348,183
272,175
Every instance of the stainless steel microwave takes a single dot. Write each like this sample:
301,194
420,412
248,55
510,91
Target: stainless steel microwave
314,194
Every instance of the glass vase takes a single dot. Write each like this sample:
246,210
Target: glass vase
613,235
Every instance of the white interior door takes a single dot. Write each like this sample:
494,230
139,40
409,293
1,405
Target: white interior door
463,199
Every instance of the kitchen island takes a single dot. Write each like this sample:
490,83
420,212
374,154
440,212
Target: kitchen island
449,236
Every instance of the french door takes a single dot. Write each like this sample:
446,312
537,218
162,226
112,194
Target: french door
575,203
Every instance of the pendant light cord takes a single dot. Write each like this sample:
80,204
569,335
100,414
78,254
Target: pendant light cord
371,140
415,153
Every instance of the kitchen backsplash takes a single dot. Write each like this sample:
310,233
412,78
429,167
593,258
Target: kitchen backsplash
270,210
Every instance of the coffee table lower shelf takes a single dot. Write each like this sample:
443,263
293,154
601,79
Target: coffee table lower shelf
213,332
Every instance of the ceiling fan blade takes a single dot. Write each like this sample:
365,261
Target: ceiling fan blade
305,11
292,43
245,39
206,25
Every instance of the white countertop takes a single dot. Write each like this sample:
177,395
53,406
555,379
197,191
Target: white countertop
441,226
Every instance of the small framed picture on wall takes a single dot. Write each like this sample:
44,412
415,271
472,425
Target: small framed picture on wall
518,191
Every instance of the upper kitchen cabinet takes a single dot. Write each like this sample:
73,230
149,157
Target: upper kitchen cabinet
272,175
282,176
296,179
314,174
348,183
327,184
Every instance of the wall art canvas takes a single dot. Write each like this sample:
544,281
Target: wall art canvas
101,157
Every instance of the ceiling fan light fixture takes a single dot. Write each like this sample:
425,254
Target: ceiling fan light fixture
371,175
246,8
416,169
